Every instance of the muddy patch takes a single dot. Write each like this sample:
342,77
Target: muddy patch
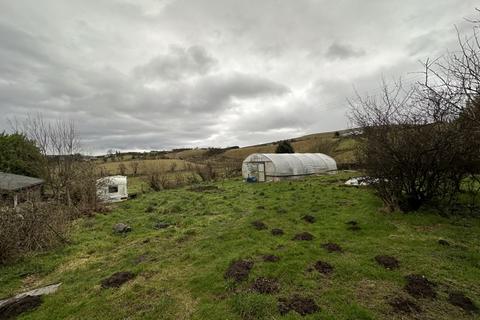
332,247
117,279
323,267
352,223
239,270
304,236
460,300
387,262
443,242
265,285
16,307
420,287
354,227
402,305
277,232
270,258
299,304
259,225
308,218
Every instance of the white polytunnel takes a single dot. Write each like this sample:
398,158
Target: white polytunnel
277,166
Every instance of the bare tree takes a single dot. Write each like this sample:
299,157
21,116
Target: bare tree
63,169
134,166
413,154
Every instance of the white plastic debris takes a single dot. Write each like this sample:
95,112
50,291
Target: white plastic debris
36,292
358,181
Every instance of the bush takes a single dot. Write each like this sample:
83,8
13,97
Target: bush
32,226
20,155
414,154
284,147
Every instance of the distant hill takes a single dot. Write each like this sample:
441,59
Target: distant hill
338,144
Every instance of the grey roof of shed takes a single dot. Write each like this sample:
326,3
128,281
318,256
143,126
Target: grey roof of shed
15,182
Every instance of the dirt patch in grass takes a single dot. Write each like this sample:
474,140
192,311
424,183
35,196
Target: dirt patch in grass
259,225
420,287
387,262
117,279
207,188
239,270
332,247
265,285
308,218
460,300
323,267
302,305
402,305
270,258
16,307
352,223
443,242
304,236
277,232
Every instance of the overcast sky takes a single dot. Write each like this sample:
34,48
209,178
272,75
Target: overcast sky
157,74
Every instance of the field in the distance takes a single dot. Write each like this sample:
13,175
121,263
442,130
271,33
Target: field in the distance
180,270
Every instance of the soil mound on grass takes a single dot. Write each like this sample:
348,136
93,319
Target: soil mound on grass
332,247
259,225
402,305
277,232
443,242
323,267
387,262
352,222
239,270
420,287
265,285
270,258
308,218
304,236
302,305
460,300
117,279
16,307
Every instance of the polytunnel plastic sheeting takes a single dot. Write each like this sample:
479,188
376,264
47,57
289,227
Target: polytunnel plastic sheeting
293,164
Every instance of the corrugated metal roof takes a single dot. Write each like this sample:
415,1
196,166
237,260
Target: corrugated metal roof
14,182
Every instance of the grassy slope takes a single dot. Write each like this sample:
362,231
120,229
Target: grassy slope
182,275
343,152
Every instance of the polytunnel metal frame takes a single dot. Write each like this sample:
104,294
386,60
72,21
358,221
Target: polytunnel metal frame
288,165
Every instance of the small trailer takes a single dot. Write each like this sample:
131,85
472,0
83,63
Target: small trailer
112,188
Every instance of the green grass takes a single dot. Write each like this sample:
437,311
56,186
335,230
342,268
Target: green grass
182,274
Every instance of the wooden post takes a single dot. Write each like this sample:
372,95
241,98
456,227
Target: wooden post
15,200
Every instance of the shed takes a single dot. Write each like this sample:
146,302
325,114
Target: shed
18,187
279,166
112,188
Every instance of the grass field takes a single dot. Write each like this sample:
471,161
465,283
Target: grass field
179,270
161,165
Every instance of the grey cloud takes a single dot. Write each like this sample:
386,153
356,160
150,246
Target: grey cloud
177,64
343,51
